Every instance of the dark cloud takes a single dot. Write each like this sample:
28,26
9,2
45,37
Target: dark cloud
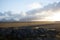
52,7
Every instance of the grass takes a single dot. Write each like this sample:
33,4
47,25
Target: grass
19,24
44,24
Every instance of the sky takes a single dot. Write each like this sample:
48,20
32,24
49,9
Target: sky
23,5
30,10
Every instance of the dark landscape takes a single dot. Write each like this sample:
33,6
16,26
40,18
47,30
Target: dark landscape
30,31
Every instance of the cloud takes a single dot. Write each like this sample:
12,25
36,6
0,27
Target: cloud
9,16
34,6
47,13
50,12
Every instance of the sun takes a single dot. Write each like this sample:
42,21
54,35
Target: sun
54,17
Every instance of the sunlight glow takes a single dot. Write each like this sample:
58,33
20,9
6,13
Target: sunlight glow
54,17
49,16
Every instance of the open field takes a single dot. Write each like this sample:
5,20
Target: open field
19,24
43,24
33,25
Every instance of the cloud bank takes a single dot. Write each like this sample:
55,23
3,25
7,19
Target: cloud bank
51,12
